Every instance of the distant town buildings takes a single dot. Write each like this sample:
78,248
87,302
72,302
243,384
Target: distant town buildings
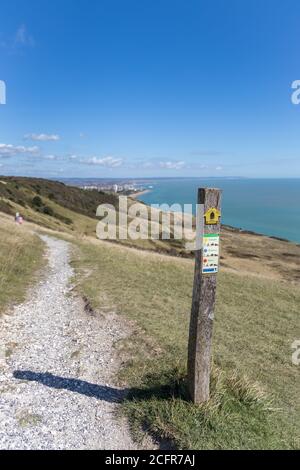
114,188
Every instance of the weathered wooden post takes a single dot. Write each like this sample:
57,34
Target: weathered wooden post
204,292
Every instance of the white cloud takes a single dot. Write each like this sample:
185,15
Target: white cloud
73,157
219,168
22,37
147,165
171,165
42,137
50,157
107,162
8,150
205,153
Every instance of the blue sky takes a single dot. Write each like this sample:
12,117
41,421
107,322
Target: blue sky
122,88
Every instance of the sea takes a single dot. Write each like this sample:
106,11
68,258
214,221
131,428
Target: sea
267,206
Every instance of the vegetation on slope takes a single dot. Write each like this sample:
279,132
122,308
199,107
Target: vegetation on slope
22,191
21,255
65,208
256,323
54,205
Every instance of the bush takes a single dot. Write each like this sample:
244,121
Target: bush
65,220
37,201
48,210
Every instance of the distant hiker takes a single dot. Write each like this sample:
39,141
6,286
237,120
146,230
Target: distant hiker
19,219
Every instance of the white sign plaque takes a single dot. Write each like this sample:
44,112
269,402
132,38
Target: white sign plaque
210,253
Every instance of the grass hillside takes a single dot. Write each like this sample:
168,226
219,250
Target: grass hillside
21,191
54,205
255,386
68,209
21,256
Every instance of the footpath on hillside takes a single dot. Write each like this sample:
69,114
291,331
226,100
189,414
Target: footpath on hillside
57,368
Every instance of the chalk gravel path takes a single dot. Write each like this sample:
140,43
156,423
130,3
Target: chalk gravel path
56,368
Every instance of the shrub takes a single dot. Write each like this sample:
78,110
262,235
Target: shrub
37,201
48,210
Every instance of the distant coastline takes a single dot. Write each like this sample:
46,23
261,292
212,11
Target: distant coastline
263,206
252,205
140,193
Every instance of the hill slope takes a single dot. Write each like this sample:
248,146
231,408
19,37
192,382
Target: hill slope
21,256
257,320
54,205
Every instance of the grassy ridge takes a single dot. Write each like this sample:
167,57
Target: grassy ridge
22,190
256,322
57,206
53,205
20,257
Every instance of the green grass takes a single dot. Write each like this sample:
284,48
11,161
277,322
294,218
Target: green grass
20,258
256,322
238,416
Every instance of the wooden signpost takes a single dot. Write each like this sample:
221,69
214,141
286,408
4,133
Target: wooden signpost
204,292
